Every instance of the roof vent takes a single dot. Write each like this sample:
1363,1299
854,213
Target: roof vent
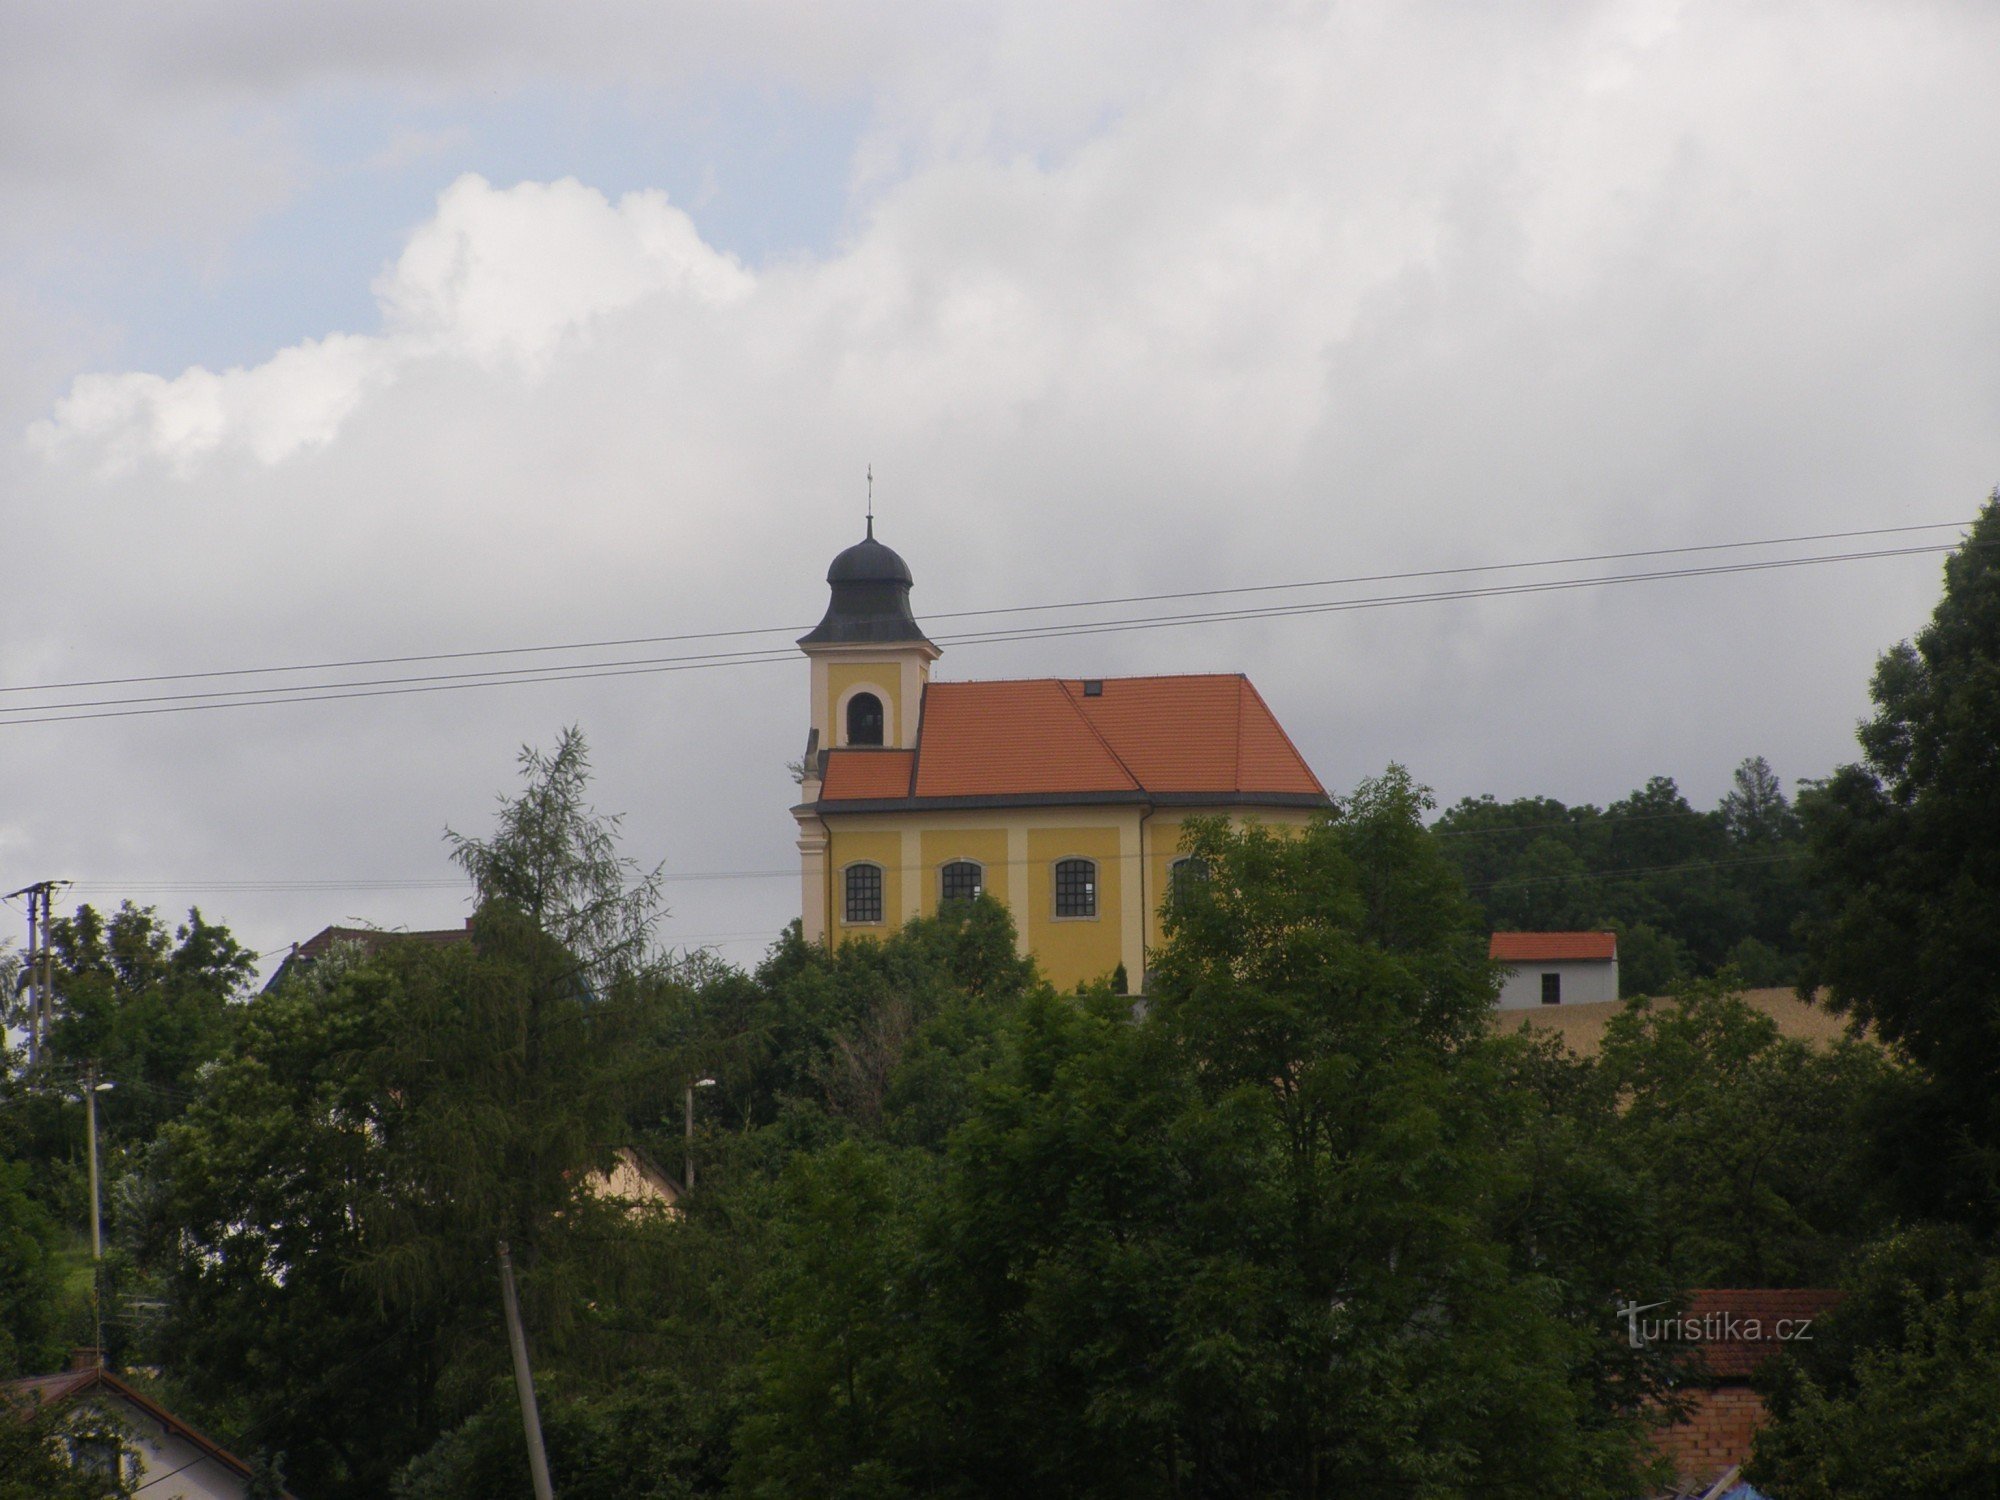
1093,687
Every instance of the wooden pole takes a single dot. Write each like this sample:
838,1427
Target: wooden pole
524,1380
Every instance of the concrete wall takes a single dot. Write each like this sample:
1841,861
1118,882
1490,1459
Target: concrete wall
1583,981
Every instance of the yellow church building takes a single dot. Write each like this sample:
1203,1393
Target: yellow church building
1063,798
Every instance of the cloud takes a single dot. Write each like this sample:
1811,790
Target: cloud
496,277
1296,292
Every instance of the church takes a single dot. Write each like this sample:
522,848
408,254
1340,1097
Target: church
1061,798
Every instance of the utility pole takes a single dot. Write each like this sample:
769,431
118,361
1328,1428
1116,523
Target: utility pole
524,1380
91,1089
41,959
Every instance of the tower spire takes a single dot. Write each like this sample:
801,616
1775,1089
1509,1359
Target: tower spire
871,502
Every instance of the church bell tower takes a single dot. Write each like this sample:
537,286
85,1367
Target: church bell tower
870,661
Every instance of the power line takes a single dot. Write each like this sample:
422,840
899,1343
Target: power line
127,707
786,630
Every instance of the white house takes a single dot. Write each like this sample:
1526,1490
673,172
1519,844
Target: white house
1555,968
161,1456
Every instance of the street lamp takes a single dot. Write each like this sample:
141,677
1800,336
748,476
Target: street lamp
91,1089
699,1083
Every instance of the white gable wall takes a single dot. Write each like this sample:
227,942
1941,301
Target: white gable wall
1583,980
171,1467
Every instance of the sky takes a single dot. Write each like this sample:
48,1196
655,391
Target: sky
337,332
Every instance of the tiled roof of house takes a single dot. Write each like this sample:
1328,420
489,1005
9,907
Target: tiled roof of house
371,939
1551,947
375,938
1117,738
1738,1328
867,773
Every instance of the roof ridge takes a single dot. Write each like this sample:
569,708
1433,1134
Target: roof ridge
1076,707
951,682
1236,745
917,739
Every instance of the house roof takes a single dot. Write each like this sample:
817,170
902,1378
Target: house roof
1551,947
372,939
1738,1328
1190,739
70,1384
868,773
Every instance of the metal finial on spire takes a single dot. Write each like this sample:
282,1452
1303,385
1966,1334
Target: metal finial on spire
871,502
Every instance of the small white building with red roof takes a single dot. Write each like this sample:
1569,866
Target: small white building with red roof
1555,968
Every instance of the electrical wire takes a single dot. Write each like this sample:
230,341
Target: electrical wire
1255,588
132,706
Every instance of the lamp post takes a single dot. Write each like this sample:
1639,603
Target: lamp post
91,1089
699,1083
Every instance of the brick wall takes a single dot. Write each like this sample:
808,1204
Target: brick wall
1715,1437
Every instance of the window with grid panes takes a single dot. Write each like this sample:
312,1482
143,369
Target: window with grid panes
1076,888
961,880
1183,873
864,893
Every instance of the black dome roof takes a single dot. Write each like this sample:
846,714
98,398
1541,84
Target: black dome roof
868,561
871,598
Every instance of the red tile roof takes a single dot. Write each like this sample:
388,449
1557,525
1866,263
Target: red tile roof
1133,738
1551,947
867,773
1738,1328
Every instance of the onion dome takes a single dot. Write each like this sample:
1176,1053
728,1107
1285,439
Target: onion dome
871,598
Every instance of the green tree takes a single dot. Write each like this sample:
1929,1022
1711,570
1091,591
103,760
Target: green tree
1905,861
144,1005
327,1210
1247,1243
37,1444
30,1278
1894,1395
1755,1150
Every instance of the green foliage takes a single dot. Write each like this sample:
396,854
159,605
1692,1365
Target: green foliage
1906,859
1688,892
1755,1149
258,1204
30,1279
1896,1396
326,1211
1249,1243
36,1447
145,1007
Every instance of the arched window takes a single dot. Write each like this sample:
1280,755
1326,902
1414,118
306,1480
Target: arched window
961,880
1076,887
864,894
864,719
1183,874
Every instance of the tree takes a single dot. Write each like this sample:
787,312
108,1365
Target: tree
144,1005
1905,859
1894,1395
30,1278
329,1208
1246,1243
1755,1150
37,1444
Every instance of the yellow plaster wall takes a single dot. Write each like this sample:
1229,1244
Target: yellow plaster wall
942,845
882,846
912,847
884,678
1075,948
